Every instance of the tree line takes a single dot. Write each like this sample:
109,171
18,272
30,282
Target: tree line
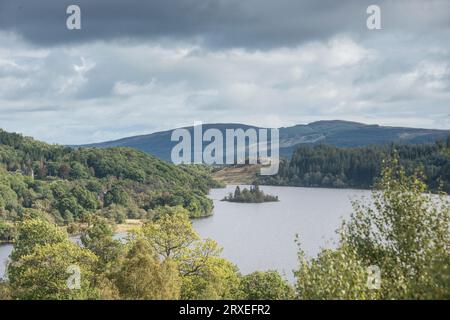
64,185
329,166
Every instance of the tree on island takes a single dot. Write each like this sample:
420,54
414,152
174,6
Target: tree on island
252,195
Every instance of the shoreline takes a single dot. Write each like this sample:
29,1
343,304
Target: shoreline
293,186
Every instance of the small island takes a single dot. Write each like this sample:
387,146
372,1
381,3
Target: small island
252,195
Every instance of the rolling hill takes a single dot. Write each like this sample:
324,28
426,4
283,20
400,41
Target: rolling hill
335,132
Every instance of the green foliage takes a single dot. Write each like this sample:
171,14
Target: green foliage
333,274
252,195
88,189
34,232
97,236
164,259
203,274
78,171
5,291
117,195
41,261
329,166
116,213
8,231
171,234
43,274
213,279
144,276
68,184
403,231
268,285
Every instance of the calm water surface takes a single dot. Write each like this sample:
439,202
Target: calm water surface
261,236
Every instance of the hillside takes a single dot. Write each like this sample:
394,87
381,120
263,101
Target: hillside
329,166
337,133
65,185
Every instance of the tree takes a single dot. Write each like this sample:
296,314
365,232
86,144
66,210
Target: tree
45,273
203,274
116,195
80,181
78,171
405,233
237,192
64,171
330,166
7,231
97,236
333,274
171,234
85,198
35,232
267,285
144,276
5,291
114,212
41,261
69,203
217,279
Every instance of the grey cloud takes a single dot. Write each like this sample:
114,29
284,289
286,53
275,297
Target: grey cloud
137,66
22,109
138,88
253,24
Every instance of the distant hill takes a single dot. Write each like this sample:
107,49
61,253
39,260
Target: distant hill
335,132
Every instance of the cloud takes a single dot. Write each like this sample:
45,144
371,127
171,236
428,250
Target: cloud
137,67
250,24
107,90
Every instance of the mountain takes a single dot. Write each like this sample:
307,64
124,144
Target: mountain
335,132
159,143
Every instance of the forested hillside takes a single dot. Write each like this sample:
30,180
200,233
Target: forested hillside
67,184
329,166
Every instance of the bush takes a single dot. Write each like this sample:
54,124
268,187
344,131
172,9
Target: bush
267,285
8,231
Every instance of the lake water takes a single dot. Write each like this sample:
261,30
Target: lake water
261,236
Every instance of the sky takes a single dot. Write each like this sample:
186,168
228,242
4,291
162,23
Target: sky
137,67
